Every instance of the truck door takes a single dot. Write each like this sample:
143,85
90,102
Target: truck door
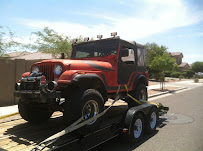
126,64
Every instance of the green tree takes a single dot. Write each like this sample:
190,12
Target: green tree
7,42
158,61
49,41
162,63
197,66
153,50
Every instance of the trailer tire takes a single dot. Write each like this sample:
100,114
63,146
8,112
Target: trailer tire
84,104
33,114
151,120
136,128
140,94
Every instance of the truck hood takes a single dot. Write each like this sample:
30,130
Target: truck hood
88,65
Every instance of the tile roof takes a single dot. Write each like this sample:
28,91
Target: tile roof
18,54
30,56
175,53
183,64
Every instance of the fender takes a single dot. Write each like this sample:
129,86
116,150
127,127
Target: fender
143,108
88,81
140,78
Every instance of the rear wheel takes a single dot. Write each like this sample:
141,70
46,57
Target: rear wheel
33,113
85,104
151,120
140,94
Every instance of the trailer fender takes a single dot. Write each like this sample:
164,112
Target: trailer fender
143,108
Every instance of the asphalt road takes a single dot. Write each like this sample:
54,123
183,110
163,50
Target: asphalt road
182,134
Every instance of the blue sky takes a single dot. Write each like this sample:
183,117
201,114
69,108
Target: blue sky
176,24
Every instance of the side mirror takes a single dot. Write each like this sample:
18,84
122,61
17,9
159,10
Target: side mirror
124,52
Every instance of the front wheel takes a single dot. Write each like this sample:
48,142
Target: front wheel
33,113
85,104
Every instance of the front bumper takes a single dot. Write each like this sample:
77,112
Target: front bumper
31,88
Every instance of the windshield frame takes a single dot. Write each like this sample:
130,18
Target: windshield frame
101,46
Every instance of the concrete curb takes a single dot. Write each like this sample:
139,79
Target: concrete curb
162,93
8,115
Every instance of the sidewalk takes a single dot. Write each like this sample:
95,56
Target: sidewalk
153,91
8,111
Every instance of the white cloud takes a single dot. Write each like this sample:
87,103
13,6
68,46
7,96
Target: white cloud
157,16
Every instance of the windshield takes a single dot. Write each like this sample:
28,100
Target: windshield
95,49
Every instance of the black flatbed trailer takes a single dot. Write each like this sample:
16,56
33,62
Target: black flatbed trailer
111,126
118,120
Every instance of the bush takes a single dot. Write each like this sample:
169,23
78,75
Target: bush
190,73
175,74
167,73
184,74
181,77
196,80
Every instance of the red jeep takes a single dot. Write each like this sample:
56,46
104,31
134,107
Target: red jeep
79,87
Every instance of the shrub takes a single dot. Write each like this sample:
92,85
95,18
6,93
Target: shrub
181,77
167,73
175,74
196,80
184,74
190,73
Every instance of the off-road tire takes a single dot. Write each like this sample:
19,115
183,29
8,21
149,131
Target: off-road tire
74,107
33,114
151,120
136,94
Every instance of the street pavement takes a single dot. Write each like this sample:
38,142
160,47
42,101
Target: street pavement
182,129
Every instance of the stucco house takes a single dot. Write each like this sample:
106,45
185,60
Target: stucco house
183,66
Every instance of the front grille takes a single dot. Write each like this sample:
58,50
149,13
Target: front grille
30,85
48,71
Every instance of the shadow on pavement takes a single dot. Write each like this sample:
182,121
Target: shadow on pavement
29,134
119,144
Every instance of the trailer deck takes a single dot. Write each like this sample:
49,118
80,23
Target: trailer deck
17,134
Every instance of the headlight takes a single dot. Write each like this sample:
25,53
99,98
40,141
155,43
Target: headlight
35,69
58,69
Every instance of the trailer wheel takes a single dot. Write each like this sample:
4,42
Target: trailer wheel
136,128
84,104
32,112
140,94
151,120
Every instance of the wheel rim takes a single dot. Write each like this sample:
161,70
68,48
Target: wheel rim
142,95
153,120
138,128
90,109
